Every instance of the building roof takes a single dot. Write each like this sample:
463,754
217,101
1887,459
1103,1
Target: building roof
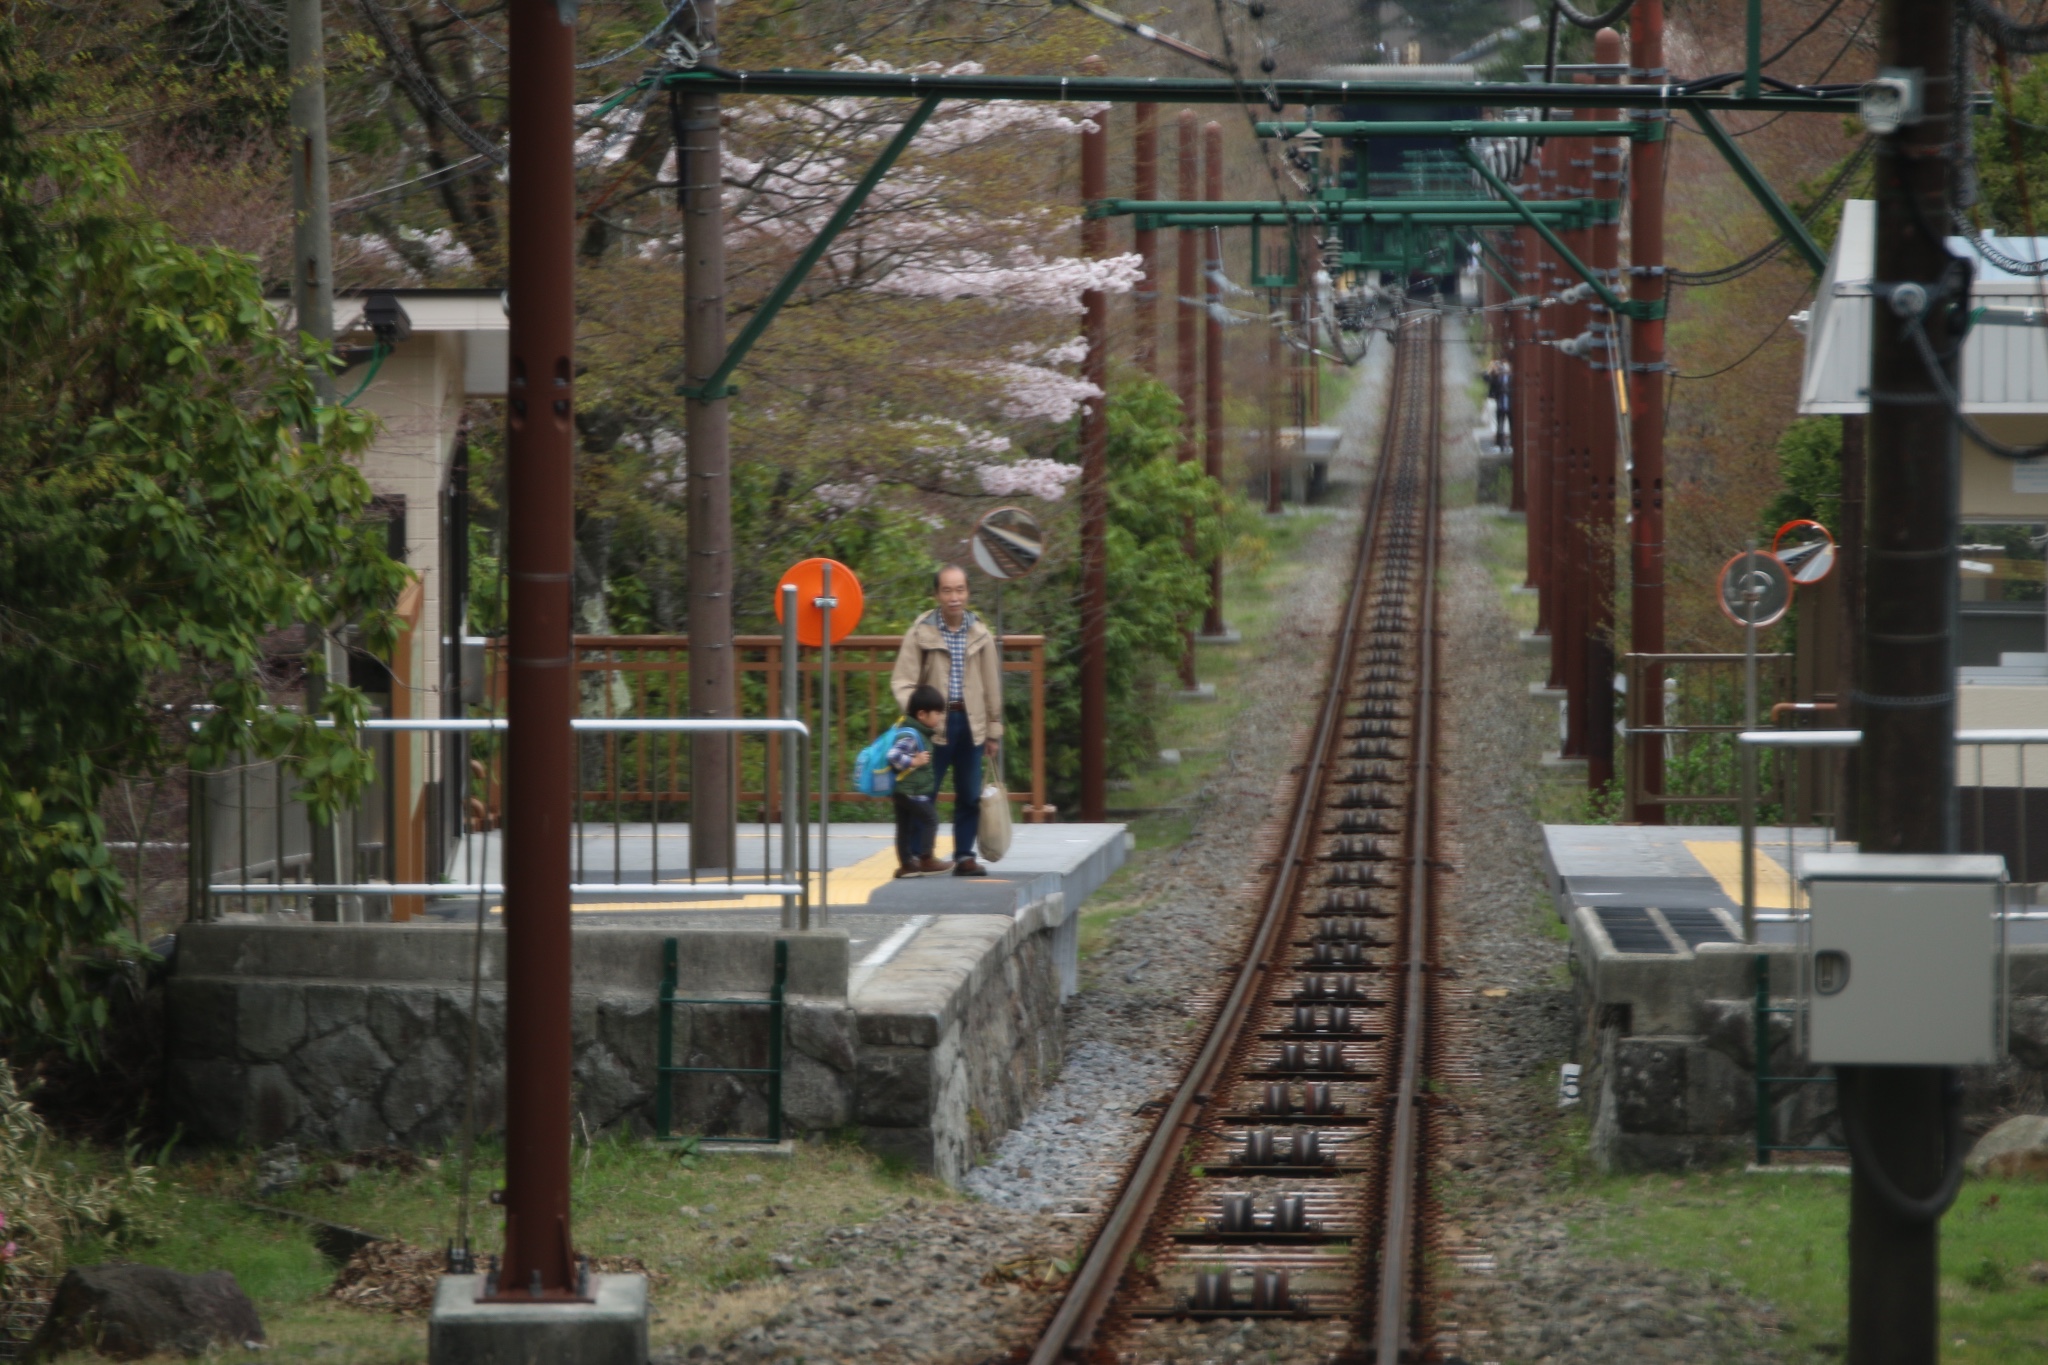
2005,366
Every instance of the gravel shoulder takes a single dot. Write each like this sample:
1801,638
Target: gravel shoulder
1519,1224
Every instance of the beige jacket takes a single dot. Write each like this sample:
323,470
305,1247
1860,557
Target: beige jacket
924,659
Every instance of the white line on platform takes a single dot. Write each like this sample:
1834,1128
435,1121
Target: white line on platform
879,956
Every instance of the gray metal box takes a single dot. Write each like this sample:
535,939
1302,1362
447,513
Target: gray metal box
1904,959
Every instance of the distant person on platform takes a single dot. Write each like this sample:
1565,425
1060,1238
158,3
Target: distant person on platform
1500,387
949,649
917,814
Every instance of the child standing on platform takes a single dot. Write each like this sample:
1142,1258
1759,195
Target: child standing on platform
910,757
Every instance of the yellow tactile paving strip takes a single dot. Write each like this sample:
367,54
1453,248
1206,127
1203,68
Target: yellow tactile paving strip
853,884
1722,858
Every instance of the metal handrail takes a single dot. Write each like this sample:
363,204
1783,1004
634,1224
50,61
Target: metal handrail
793,887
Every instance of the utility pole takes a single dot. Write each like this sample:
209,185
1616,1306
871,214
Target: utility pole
541,687
1646,405
313,316
1604,371
1095,478
1212,154
1186,333
706,431
1906,684
1578,394
1145,185
312,226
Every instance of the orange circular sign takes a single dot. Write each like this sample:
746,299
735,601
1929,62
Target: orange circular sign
844,594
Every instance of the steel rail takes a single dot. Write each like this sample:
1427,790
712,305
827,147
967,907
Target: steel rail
1401,1189
1072,1328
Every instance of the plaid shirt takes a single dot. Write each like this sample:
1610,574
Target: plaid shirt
956,648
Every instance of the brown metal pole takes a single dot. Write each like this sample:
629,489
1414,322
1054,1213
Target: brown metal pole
1187,356
1576,393
1603,440
1646,416
1095,487
1272,407
540,690
712,667
1212,155
1906,684
1145,185
1517,355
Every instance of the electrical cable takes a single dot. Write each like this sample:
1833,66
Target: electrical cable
1735,269
423,90
419,182
1916,332
2013,35
645,39
1804,33
1750,355
1592,21
594,62
377,354
1833,62
1903,1206
1149,34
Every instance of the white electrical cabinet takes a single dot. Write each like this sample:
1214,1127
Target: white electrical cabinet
1904,961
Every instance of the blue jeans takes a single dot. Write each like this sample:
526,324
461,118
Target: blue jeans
961,756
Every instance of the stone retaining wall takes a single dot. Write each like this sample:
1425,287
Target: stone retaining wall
343,1036
1668,1047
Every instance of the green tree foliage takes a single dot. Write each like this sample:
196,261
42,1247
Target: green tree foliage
159,517
2012,186
1810,463
1156,587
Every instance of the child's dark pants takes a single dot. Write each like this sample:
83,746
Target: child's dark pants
917,828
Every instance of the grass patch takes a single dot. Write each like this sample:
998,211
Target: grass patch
707,1224
1784,1239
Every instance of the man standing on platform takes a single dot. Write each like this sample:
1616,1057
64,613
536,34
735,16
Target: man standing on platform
951,650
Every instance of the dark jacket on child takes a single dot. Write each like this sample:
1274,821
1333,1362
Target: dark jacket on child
913,781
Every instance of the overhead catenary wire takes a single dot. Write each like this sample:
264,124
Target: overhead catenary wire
1852,167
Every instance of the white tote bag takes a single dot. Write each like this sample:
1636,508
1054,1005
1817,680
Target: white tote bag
994,835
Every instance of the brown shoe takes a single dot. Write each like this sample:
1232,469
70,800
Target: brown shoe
967,867
932,865
908,870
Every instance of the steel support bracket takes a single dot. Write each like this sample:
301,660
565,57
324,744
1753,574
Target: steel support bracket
1780,212
714,386
1644,310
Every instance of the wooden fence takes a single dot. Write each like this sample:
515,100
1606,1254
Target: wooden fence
640,676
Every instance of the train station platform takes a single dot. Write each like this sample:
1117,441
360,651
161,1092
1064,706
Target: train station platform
925,1012
1666,991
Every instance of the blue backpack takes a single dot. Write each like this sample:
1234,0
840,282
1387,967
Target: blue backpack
872,775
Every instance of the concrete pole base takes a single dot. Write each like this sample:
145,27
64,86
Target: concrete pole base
1224,637
1545,692
1532,643
610,1331
1199,692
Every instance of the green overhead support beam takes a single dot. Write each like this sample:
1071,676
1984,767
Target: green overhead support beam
1637,129
1200,90
1508,219
1321,209
1641,310
1780,212
715,386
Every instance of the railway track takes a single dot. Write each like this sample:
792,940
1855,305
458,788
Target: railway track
1286,1180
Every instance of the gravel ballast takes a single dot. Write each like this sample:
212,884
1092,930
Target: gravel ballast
971,1281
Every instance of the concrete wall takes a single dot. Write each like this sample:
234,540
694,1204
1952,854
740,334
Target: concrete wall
341,1036
1668,1046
